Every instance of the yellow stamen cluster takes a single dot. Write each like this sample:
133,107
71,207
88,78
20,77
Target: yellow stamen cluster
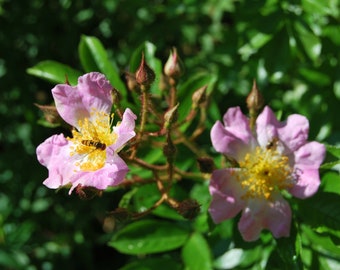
264,171
91,139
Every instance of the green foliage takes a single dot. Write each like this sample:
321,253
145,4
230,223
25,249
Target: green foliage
54,72
149,236
289,47
94,57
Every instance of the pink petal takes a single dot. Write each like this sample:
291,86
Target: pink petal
266,127
294,132
54,154
308,159
262,214
234,137
112,174
77,102
125,130
226,192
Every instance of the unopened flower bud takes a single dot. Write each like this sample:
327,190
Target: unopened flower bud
199,96
116,96
169,149
255,99
51,114
170,116
87,193
121,214
188,208
145,75
206,164
131,82
174,67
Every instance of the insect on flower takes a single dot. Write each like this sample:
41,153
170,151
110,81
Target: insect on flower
96,144
272,144
89,158
273,157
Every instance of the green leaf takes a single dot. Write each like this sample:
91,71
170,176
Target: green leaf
331,182
147,195
187,89
334,150
149,236
309,41
331,165
196,253
315,77
153,264
256,42
94,57
54,72
321,210
321,7
321,242
288,250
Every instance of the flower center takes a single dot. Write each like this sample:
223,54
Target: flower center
91,141
263,172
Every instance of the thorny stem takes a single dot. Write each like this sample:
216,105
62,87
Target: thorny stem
165,175
200,127
170,161
173,93
164,197
189,117
144,102
144,110
148,165
191,145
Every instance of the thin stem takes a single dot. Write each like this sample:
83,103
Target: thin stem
148,165
144,109
144,102
173,93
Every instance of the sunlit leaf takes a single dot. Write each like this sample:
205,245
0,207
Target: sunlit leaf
149,236
55,72
166,263
334,150
196,253
310,42
94,57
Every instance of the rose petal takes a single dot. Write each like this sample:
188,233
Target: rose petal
273,215
76,103
226,192
294,131
125,130
235,137
112,174
266,127
54,154
308,159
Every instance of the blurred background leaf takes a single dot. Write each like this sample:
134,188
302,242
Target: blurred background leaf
290,47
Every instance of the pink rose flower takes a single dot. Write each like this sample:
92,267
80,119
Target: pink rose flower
275,157
90,158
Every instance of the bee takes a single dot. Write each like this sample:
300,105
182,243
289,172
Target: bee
273,143
96,144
